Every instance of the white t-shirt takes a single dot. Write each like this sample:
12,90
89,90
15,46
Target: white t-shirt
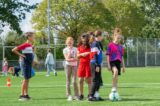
49,59
73,55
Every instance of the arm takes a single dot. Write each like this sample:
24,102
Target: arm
108,57
82,54
123,64
47,59
68,58
15,50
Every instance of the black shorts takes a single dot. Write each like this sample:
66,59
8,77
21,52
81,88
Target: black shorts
28,65
116,64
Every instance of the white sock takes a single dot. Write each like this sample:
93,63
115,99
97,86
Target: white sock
96,94
114,89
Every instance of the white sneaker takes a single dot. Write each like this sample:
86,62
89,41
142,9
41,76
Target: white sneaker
69,98
47,75
113,90
76,98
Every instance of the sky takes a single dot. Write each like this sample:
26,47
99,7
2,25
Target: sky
26,23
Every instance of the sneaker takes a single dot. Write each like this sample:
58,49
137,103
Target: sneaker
81,97
91,98
69,98
27,97
22,98
76,98
47,75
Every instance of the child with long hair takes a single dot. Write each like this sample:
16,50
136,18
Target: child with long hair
84,72
115,52
27,55
70,54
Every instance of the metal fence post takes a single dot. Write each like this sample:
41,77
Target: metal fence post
155,52
146,54
55,55
127,55
137,52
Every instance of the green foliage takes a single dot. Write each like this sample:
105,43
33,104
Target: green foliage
151,9
127,14
72,17
13,11
12,39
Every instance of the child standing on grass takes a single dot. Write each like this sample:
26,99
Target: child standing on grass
27,55
70,54
50,64
5,67
115,52
84,72
95,63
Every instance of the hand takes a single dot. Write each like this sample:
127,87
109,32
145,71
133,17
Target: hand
85,54
109,67
23,56
97,69
123,69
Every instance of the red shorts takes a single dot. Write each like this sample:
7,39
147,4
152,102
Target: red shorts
84,70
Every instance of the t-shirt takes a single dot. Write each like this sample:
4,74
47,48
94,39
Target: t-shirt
73,55
83,49
25,48
96,54
115,51
49,59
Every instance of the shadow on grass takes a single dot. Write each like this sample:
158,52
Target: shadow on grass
139,99
50,98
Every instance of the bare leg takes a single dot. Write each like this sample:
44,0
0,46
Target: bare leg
27,85
68,79
81,82
115,78
23,87
74,73
88,81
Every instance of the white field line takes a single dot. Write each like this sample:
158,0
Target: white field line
134,85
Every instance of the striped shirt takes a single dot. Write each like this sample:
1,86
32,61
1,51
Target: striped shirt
25,48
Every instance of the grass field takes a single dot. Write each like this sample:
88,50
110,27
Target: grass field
137,87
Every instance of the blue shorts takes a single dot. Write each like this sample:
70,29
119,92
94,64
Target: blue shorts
28,65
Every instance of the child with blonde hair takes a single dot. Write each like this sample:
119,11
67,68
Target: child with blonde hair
70,54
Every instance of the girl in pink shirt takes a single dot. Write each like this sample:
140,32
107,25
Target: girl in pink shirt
115,60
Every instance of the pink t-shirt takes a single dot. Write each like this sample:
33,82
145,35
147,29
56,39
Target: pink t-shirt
115,51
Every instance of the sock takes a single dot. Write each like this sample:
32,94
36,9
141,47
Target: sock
114,89
96,94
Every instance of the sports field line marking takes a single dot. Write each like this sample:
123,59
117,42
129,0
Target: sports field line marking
134,85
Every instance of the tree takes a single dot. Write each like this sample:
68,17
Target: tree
13,11
151,9
128,15
12,39
73,17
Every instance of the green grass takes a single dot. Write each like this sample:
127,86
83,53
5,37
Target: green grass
137,87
